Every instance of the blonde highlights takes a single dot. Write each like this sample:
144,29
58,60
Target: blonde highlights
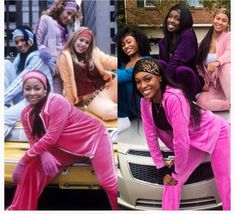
69,46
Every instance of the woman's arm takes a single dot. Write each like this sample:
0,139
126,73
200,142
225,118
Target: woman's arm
109,62
58,117
226,55
65,72
151,135
184,53
104,61
41,30
178,113
124,75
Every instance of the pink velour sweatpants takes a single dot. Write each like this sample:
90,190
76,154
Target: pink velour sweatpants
220,162
218,99
34,179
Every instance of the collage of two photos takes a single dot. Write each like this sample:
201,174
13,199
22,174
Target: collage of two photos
117,105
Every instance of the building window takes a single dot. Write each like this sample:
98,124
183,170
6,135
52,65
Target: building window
112,2
12,16
112,16
140,3
112,32
194,3
144,3
11,2
113,49
148,3
25,18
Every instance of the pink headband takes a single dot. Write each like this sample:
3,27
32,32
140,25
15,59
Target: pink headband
86,32
71,6
35,74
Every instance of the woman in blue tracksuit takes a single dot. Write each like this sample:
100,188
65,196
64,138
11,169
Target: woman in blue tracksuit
27,59
132,45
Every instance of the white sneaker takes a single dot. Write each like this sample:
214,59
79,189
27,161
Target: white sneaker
7,131
123,124
114,136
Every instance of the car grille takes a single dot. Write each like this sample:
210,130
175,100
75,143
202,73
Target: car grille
193,204
153,175
147,153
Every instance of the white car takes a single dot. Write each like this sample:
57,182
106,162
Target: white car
140,183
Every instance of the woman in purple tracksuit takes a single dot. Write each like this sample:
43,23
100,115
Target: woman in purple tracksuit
178,49
53,30
191,133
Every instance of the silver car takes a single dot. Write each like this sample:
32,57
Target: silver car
140,182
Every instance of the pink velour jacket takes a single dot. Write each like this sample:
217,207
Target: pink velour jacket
184,135
223,55
67,128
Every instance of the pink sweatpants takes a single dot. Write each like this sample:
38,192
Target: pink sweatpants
218,99
220,162
34,179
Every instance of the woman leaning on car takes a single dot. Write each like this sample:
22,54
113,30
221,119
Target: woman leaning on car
192,133
58,134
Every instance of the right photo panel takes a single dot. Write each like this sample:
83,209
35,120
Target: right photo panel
174,105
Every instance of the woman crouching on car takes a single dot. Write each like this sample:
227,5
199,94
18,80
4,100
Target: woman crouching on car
189,131
58,133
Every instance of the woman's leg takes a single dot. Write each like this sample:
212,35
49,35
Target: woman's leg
225,80
188,79
220,162
33,182
9,73
172,193
103,106
103,164
12,115
57,84
112,90
213,99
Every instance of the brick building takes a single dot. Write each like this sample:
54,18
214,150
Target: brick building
147,18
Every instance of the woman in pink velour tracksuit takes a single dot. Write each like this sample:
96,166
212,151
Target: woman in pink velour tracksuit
214,61
58,133
190,132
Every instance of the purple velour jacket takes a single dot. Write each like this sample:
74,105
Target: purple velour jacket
184,134
184,54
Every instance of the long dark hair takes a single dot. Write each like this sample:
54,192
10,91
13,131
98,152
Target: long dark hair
142,42
195,115
34,47
205,44
204,47
186,22
38,129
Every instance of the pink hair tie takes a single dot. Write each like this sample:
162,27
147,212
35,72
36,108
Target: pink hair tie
35,74
87,33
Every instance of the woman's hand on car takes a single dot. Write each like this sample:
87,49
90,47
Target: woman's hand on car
169,180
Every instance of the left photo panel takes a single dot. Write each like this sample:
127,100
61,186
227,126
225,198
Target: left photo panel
60,105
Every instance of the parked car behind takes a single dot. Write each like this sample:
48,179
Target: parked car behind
140,182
